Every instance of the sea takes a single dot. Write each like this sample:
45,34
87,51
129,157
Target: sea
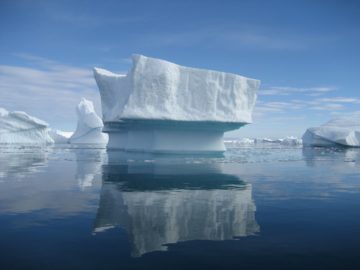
254,207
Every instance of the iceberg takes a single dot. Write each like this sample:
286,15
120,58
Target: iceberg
343,131
160,106
89,126
20,128
291,141
233,143
287,141
60,137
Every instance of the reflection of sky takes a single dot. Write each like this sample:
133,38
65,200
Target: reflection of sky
309,173
46,181
19,161
149,201
182,198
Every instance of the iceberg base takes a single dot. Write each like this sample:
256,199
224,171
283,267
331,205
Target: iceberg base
161,136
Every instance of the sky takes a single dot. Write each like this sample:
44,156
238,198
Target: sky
306,53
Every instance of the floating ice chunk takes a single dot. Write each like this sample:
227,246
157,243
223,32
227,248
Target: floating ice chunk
60,137
240,142
291,141
288,141
268,140
340,131
89,126
19,127
190,108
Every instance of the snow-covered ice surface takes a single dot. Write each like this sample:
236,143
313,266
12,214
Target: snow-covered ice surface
60,137
287,141
89,126
343,131
158,89
18,127
166,108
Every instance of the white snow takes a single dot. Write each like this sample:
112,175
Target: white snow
21,128
239,142
291,141
158,89
287,141
89,126
60,137
163,107
339,131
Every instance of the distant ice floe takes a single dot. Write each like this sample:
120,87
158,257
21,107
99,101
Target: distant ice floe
18,127
89,126
287,141
343,131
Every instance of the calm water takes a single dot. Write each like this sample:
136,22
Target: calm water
254,208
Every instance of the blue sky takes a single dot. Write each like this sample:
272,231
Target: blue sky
306,53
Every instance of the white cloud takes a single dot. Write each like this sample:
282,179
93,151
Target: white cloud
47,89
242,37
340,100
285,90
328,107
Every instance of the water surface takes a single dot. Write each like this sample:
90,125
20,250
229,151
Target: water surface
255,207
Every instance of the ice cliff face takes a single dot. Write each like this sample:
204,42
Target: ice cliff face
340,131
19,127
89,126
158,89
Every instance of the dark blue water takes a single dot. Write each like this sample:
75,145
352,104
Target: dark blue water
254,208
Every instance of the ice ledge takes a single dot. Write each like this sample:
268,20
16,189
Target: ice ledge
114,126
165,136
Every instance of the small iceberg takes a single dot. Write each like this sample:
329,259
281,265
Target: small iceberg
344,131
89,126
60,137
18,127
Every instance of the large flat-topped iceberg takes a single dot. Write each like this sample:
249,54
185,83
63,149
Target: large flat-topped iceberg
340,131
158,89
157,97
19,127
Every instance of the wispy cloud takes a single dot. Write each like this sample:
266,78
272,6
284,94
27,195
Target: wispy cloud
48,89
242,37
328,107
277,106
340,100
91,21
285,90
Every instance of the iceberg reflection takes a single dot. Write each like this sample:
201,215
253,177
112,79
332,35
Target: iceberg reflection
159,203
88,165
19,161
317,155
